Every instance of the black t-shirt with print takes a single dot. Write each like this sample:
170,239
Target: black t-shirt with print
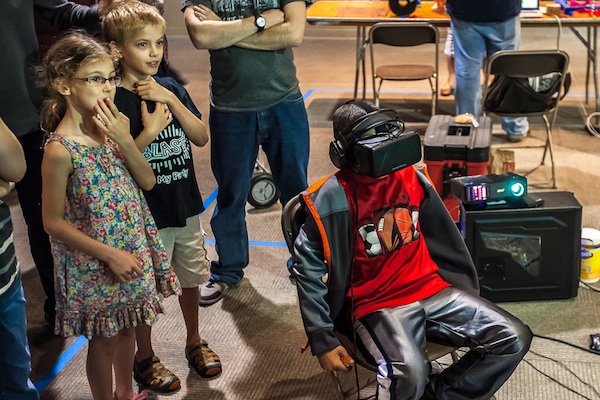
176,196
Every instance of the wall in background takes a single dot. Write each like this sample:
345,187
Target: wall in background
174,18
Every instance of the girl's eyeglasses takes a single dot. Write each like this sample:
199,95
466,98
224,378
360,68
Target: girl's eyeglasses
98,81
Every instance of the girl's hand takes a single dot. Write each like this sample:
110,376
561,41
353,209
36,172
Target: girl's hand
113,123
123,265
155,122
149,89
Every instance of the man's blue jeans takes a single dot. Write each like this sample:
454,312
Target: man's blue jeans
15,359
473,42
283,133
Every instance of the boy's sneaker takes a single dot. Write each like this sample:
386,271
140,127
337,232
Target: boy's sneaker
211,292
151,374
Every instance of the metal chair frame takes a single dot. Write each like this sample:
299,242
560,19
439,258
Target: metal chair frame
526,64
404,34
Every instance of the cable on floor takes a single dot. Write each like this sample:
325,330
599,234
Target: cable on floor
588,286
569,371
528,362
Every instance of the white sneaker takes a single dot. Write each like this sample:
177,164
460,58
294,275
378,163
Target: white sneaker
211,292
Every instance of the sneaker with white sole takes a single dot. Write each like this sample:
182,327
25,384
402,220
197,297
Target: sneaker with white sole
211,292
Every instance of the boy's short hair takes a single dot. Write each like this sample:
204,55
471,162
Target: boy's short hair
346,114
125,18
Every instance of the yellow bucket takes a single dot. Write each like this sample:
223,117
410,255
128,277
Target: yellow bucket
590,257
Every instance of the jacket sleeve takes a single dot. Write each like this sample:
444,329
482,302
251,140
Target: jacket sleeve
64,14
311,275
445,242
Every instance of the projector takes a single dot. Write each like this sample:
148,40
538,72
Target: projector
492,190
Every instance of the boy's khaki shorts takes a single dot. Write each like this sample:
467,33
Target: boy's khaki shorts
185,248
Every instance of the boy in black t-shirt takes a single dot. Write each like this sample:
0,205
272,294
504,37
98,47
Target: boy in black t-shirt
163,122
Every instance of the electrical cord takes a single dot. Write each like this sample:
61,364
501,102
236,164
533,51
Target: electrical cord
568,370
559,23
555,380
588,286
596,352
528,362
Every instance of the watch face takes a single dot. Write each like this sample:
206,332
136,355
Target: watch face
261,22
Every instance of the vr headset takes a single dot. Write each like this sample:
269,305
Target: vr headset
388,149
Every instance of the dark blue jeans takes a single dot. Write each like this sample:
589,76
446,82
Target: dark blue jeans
283,133
15,361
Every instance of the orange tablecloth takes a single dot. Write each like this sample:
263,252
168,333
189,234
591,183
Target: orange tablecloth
360,12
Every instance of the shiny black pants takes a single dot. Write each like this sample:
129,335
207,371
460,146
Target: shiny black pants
397,340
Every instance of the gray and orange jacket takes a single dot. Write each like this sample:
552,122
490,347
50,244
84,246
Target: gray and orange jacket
323,248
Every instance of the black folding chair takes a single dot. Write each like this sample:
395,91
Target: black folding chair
511,94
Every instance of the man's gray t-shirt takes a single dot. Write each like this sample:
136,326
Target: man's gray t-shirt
243,79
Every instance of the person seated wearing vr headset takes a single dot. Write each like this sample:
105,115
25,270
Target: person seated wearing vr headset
379,253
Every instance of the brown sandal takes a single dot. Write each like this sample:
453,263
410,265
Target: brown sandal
151,374
202,359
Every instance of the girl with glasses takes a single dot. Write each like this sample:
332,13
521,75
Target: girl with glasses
110,265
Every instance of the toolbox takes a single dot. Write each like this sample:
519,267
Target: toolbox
453,149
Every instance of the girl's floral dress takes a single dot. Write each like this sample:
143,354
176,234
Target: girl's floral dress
104,202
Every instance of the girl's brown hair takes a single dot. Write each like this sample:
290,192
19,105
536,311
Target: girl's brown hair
62,61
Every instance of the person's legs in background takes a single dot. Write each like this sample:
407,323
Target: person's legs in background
472,43
29,191
285,138
507,36
447,88
234,148
15,359
469,52
284,133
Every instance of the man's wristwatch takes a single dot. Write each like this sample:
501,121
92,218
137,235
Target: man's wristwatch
260,22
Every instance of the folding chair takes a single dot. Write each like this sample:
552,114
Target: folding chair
404,34
292,218
510,94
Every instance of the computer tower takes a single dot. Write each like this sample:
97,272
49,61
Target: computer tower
526,253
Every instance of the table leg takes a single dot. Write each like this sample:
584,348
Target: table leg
590,44
595,63
360,60
364,58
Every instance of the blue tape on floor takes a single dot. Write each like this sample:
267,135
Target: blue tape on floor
253,243
61,363
210,199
